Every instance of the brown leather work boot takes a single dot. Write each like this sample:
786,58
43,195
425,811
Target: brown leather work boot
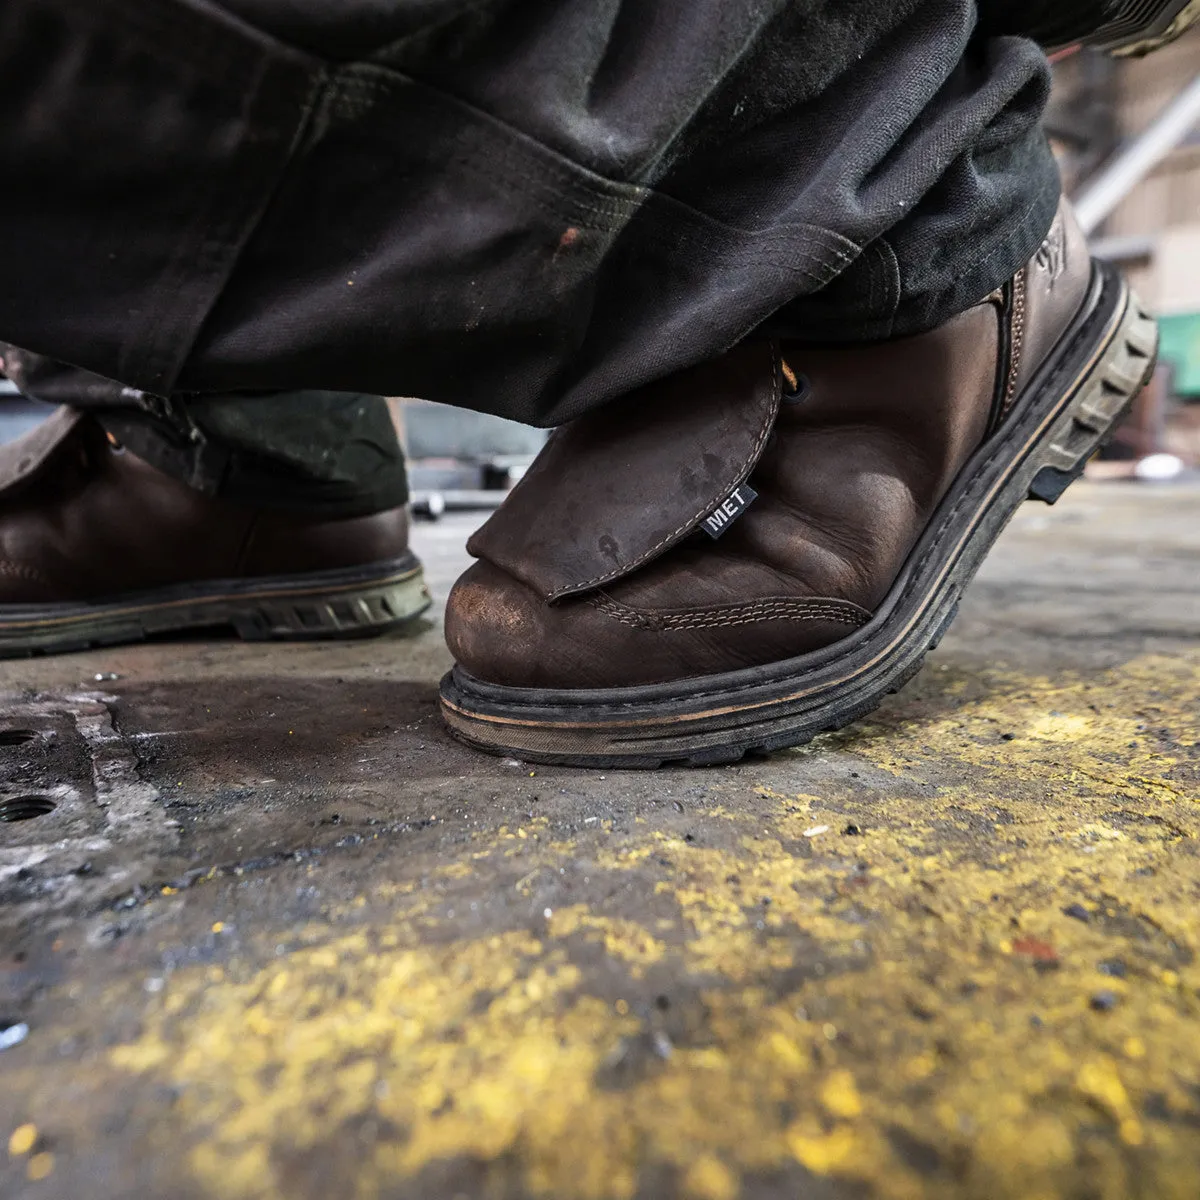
98,547
762,548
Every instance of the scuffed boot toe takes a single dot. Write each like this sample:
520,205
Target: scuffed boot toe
501,632
491,621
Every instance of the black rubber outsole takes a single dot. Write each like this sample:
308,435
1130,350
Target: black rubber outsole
1071,410
1142,26
351,602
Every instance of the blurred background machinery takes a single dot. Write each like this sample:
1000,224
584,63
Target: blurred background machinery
1127,134
459,459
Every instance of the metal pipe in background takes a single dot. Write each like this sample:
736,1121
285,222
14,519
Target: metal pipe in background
1131,164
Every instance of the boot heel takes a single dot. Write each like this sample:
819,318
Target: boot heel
1099,406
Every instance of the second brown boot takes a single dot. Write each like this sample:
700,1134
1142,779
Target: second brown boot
764,547
98,547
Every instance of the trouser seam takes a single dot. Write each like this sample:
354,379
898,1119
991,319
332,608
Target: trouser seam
227,239
890,266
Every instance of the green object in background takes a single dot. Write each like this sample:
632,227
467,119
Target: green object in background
1180,348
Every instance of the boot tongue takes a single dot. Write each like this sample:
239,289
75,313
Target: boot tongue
30,457
619,487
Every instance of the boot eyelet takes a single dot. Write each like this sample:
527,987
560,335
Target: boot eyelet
796,388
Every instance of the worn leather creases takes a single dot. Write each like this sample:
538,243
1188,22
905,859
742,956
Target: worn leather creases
617,488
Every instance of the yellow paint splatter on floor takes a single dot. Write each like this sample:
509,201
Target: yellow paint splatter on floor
982,984
22,1140
41,1166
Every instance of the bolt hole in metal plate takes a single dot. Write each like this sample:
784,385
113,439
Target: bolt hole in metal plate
25,808
16,737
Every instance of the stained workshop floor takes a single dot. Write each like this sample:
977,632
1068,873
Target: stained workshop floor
280,937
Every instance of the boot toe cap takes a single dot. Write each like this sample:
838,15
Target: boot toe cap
501,631
495,628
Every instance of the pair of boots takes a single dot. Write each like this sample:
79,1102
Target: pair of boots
730,560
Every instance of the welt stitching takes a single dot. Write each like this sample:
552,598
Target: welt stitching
784,608
755,454
736,619
605,601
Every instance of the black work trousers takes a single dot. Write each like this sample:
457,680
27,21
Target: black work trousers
333,454
526,207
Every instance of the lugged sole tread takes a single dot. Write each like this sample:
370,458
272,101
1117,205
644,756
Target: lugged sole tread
367,608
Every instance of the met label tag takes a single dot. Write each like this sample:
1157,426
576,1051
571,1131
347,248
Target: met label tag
728,510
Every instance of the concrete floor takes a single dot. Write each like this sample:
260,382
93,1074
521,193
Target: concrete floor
282,938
